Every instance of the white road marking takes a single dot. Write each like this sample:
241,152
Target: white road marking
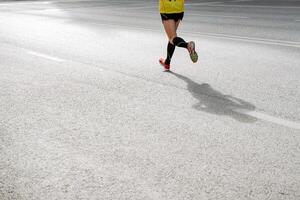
269,118
248,39
24,3
253,6
215,35
203,15
134,8
235,1
203,3
256,114
218,16
45,56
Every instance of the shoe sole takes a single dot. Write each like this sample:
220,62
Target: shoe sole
193,54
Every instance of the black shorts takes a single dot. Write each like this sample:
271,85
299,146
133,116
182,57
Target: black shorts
174,16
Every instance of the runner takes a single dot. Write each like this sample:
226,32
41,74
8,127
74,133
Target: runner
172,12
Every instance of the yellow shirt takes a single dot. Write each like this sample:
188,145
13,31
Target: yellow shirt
171,6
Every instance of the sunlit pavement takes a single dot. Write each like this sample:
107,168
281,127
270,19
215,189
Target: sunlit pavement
86,112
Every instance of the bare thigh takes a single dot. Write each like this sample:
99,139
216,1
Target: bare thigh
177,24
170,27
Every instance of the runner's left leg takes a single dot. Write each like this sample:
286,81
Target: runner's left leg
190,46
170,29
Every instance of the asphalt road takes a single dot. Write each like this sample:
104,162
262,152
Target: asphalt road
86,112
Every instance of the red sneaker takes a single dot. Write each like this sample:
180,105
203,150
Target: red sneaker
162,62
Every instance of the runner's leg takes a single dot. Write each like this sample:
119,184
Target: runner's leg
170,29
190,46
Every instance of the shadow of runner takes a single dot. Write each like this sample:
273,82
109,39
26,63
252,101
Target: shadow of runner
213,101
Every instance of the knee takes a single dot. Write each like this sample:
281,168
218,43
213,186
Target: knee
171,39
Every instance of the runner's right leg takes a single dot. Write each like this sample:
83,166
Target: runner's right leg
170,29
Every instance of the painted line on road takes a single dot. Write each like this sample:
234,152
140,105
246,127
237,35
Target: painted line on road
133,8
24,3
269,118
45,56
256,114
203,3
235,1
215,35
218,16
222,4
253,6
203,15
248,39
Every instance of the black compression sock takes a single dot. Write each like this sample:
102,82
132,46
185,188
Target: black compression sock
177,41
171,49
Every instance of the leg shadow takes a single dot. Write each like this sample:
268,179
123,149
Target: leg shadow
213,101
